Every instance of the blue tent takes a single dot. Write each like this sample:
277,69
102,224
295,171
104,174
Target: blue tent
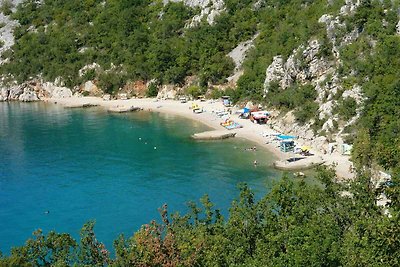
286,137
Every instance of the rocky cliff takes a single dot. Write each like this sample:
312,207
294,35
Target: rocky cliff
309,65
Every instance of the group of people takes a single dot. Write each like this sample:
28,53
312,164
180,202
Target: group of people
254,148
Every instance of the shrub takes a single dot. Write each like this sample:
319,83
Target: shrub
347,108
110,82
152,91
306,112
194,91
6,7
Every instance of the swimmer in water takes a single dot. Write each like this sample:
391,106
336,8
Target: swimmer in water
46,212
255,163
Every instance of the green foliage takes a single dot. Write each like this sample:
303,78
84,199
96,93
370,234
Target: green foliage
195,91
380,114
216,93
306,112
296,224
299,98
91,252
6,6
111,82
147,41
346,108
43,251
152,91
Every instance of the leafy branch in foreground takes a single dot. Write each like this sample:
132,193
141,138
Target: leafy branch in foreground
296,224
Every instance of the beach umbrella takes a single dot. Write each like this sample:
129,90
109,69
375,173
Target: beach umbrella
305,148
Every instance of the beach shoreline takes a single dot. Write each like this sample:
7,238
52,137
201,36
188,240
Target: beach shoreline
250,131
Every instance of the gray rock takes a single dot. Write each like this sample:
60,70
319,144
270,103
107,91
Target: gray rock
355,92
61,92
28,95
210,9
89,86
349,7
238,54
167,92
304,65
325,110
275,72
4,94
15,92
55,91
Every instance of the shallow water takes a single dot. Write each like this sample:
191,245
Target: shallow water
82,164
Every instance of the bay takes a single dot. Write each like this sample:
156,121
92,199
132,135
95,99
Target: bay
61,167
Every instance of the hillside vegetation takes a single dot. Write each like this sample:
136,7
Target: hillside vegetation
333,63
357,47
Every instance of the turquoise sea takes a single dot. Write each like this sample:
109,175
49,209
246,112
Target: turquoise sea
61,167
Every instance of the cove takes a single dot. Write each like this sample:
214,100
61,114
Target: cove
61,167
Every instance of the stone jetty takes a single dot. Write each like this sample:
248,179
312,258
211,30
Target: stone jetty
213,135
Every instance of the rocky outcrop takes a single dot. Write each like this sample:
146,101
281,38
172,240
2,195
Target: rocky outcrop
287,124
303,66
29,95
275,73
90,88
137,88
7,31
356,93
209,9
15,92
94,66
52,91
33,91
4,94
349,7
398,28
238,55
167,92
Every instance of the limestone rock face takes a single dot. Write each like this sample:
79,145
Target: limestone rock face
355,92
303,66
136,88
238,55
28,95
55,91
325,110
91,88
210,9
15,92
61,92
6,32
328,125
94,66
167,92
275,72
4,94
349,7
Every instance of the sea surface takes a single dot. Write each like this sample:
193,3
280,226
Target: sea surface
61,167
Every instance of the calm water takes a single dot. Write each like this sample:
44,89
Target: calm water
117,169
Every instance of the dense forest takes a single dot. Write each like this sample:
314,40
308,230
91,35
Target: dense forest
295,224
